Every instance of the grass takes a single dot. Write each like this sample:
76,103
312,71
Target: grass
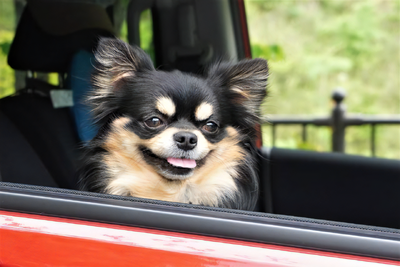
316,46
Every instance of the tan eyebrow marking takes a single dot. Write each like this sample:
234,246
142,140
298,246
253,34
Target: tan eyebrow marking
166,106
121,122
203,111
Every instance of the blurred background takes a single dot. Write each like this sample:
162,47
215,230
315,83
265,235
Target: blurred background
313,47
316,46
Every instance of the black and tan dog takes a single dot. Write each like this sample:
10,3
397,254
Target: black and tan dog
174,136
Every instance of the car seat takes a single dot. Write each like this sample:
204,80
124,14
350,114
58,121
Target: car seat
40,143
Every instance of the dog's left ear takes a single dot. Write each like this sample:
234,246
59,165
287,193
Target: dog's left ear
245,82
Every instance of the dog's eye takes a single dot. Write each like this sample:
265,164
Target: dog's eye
210,127
154,122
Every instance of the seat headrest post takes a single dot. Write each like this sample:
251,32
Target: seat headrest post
61,80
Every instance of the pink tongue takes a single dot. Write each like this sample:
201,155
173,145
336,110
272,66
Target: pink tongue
184,163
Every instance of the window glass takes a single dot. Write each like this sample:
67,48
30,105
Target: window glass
316,46
12,80
146,33
145,29
8,18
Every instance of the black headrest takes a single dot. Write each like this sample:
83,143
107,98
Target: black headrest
47,44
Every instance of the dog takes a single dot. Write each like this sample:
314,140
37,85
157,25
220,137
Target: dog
174,136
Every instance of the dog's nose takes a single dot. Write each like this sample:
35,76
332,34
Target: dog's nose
185,140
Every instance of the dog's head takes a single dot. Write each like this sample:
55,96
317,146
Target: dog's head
174,121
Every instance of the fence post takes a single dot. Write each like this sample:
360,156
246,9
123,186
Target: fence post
273,134
304,132
338,122
373,150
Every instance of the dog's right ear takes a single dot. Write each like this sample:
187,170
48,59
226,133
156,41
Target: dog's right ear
116,62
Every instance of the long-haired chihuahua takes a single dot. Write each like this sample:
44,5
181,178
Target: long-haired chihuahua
174,136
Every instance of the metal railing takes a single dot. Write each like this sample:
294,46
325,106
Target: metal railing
338,121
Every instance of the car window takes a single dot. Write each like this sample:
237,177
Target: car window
146,33
315,47
8,22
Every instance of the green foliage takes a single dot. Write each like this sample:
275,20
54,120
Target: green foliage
273,51
5,47
123,35
7,28
323,45
146,33
7,15
6,73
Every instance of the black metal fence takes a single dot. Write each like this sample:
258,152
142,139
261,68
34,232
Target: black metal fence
338,121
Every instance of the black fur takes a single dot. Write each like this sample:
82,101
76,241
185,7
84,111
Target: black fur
126,84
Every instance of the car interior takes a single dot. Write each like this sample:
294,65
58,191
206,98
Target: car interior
40,143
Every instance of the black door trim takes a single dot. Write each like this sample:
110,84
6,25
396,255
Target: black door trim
248,226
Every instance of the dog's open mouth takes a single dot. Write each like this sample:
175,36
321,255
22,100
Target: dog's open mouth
172,168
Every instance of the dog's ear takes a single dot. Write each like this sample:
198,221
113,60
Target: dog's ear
245,85
116,63
117,60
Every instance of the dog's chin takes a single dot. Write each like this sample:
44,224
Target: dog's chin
167,170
